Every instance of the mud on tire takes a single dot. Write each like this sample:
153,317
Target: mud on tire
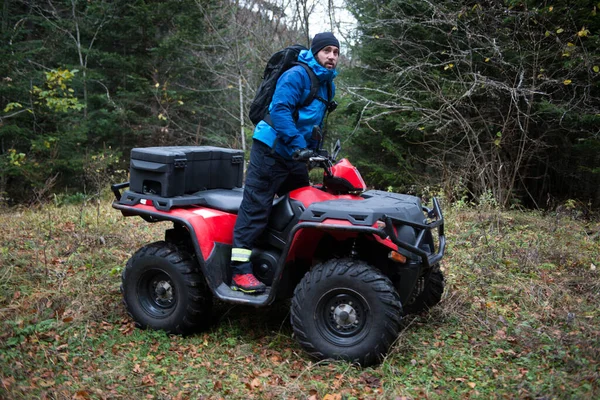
164,290
346,309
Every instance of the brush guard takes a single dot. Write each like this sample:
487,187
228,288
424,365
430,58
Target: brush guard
429,259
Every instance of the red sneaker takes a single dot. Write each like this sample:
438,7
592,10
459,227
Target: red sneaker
247,283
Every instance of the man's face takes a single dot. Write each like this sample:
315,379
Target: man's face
328,56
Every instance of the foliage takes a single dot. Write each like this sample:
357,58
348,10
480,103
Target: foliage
57,96
519,319
496,94
473,97
85,76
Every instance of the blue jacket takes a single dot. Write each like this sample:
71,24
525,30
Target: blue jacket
293,87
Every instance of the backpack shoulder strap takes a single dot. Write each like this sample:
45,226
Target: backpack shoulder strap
314,84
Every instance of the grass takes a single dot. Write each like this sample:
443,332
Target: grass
520,319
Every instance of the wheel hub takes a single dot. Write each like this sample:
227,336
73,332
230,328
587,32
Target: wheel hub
163,293
342,316
345,315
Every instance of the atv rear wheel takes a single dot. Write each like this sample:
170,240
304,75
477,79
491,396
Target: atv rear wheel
164,290
430,293
346,309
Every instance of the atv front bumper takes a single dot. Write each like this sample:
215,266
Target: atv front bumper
428,258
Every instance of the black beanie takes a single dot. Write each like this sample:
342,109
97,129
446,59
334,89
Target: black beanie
323,40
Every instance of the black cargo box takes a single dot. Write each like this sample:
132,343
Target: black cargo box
178,170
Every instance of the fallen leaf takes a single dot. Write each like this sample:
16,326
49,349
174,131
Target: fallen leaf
472,385
372,381
148,380
500,334
255,383
7,382
218,385
46,383
275,359
81,395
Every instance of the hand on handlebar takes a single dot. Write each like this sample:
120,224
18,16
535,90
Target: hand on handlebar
303,155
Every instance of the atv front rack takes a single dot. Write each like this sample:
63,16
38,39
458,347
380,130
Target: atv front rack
428,258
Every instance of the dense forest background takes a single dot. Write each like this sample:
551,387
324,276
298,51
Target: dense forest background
495,101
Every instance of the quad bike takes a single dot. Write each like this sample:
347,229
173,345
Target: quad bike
352,261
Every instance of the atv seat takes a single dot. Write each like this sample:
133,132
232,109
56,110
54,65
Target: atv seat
227,200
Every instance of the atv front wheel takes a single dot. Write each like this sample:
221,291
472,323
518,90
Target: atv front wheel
429,292
163,290
346,309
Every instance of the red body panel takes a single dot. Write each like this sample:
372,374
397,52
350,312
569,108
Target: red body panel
304,244
308,195
306,240
343,169
386,242
209,225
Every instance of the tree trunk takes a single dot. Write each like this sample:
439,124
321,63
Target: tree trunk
5,16
82,64
242,135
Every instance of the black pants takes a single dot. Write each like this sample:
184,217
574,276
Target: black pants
268,174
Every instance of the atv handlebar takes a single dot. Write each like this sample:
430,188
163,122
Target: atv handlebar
319,160
428,259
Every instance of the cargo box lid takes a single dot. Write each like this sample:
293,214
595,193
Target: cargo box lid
165,155
202,153
168,154
220,153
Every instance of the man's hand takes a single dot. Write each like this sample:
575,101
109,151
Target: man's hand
302,155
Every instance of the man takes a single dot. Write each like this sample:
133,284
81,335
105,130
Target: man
272,169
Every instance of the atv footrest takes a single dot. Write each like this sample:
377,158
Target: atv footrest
225,293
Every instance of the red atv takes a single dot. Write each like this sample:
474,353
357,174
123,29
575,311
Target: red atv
353,261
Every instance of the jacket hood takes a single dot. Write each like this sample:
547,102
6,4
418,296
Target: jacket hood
324,74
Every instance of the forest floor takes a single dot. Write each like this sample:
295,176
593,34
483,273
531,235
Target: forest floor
520,318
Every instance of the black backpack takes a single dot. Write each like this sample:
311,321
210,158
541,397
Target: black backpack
280,62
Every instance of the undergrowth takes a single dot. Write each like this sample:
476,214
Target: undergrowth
519,319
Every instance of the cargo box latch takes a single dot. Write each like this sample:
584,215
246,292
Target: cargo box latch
237,159
179,162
